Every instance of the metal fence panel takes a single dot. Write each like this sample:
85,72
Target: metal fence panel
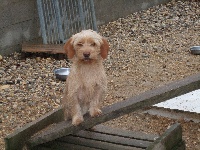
59,19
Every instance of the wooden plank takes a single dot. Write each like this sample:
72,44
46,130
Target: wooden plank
17,139
98,144
109,142
55,145
48,48
168,140
124,133
91,138
41,148
113,139
180,146
145,99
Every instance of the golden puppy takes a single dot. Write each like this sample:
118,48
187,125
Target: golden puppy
86,84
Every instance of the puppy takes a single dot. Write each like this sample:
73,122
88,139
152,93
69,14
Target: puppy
86,84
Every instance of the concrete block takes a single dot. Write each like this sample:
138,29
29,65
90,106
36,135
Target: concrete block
22,11
12,35
108,10
30,30
5,17
9,50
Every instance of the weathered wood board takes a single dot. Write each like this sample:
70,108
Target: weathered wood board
171,139
47,48
102,137
145,99
16,140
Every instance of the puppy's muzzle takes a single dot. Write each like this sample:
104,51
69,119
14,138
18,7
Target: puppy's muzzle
86,55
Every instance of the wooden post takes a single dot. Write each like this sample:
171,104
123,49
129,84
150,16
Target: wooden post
171,137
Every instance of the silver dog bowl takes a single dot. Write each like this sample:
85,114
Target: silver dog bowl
195,50
62,73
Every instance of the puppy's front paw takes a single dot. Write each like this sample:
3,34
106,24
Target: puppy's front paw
95,112
76,120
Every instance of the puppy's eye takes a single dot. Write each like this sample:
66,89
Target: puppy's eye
93,44
80,44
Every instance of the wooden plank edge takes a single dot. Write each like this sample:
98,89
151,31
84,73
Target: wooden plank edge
180,146
123,133
113,139
57,145
17,139
169,139
48,48
97,144
145,99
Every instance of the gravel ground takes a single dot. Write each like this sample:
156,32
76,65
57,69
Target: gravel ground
148,49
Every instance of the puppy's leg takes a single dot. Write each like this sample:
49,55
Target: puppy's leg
94,109
72,109
65,106
77,116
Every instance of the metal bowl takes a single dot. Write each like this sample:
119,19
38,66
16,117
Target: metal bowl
62,73
195,50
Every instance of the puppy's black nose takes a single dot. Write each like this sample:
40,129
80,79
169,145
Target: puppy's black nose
86,55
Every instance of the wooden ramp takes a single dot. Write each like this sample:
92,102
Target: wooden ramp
33,135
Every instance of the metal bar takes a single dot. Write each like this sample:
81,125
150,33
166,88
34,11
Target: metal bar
42,22
70,17
49,22
58,18
90,20
86,14
82,18
62,17
76,19
93,15
66,20
45,5
54,20
73,19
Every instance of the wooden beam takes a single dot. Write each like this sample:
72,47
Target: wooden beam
108,138
47,48
123,133
16,140
168,140
145,99
102,137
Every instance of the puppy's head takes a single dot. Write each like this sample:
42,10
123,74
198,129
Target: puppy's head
87,46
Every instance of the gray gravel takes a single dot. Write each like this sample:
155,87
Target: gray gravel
148,49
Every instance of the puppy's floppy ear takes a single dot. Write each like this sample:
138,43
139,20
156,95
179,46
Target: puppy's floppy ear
104,48
69,49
